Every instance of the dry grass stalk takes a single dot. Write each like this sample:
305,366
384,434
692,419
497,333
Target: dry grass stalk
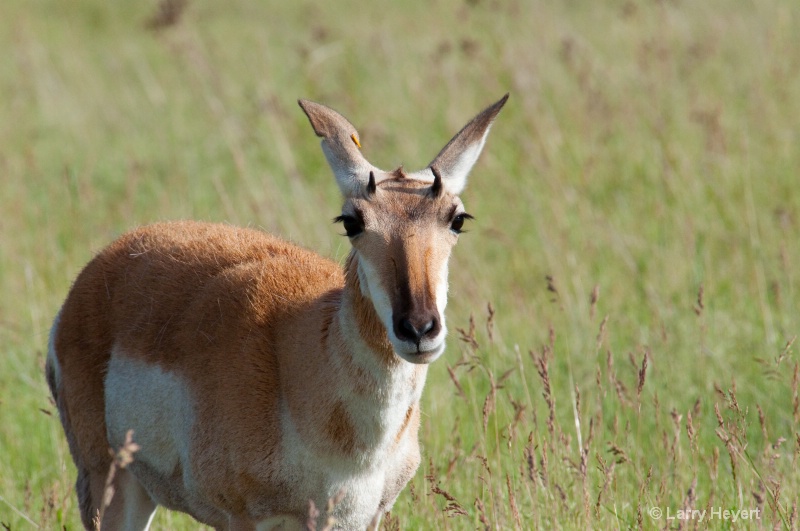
608,474
639,518
468,336
665,444
593,301
622,392
619,387
562,496
759,496
714,465
454,379
590,437
489,483
413,493
773,501
732,434
513,503
312,515
598,380
646,483
657,407
582,469
451,465
519,415
49,511
689,502
733,403
453,508
576,409
543,463
390,522
530,460
489,402
566,441
796,393
642,377
121,459
731,448
541,363
719,391
485,462
762,421
601,333
796,448
482,514
720,421
168,13
643,488
696,409
490,321
551,287
333,501
676,417
455,436
690,432
619,454
787,348
698,309
505,377
676,434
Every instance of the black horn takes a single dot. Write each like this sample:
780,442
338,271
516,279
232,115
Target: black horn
436,188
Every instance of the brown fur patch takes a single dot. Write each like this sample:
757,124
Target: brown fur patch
430,273
399,173
370,327
340,429
409,415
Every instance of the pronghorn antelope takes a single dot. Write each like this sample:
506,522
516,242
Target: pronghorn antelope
257,376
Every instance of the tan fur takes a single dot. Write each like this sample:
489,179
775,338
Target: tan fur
282,376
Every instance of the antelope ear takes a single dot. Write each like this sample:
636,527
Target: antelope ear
341,147
455,161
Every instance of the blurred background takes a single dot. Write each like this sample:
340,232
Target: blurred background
637,200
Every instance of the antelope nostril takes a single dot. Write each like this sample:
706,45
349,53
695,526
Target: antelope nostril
427,327
408,330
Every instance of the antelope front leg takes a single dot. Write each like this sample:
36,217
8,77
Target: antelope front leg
375,524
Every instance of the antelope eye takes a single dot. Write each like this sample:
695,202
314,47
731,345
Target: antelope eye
352,226
458,222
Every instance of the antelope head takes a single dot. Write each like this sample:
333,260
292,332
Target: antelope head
403,226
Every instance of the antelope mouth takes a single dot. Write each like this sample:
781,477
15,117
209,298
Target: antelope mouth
422,356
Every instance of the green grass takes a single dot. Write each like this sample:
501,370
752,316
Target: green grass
649,151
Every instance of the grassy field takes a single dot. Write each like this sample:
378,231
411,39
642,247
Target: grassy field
628,296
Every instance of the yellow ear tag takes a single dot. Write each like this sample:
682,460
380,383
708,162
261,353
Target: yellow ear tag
355,140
